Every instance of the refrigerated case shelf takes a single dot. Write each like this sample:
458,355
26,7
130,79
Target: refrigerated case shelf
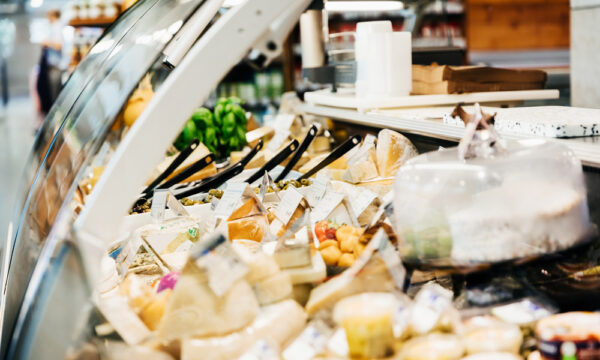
422,122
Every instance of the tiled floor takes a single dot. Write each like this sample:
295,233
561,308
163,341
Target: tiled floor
16,136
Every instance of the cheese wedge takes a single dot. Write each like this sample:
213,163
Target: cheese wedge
316,272
273,289
195,310
279,323
393,150
125,321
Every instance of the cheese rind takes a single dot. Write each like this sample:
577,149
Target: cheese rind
393,150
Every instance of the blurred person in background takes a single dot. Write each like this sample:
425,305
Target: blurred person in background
49,83
7,43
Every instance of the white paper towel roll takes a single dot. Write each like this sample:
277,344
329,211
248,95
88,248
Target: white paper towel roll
385,65
313,54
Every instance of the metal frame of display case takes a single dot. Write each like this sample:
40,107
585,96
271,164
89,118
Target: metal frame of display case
68,254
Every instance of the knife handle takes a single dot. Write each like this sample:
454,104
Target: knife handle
334,155
310,136
172,166
191,170
276,160
212,182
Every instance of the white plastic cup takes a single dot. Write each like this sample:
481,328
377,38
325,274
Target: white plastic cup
362,48
384,64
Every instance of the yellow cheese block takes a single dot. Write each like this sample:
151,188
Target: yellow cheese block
393,150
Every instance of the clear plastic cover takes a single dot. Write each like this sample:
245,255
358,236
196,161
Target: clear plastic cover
525,200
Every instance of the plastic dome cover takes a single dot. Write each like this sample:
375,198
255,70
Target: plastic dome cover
523,199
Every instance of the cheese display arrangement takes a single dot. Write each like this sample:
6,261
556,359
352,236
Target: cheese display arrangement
295,267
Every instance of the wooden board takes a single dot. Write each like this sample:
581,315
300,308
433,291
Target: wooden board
345,98
97,22
512,24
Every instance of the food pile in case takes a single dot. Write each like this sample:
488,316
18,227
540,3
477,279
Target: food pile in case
303,258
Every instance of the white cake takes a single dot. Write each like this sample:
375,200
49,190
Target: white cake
518,220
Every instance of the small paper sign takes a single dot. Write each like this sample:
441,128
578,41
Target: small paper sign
362,201
230,199
163,199
289,203
326,205
317,190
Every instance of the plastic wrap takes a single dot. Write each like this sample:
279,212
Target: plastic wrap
489,201
278,323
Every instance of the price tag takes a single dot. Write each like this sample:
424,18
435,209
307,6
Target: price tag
362,201
329,202
221,263
278,140
289,203
316,190
230,199
163,199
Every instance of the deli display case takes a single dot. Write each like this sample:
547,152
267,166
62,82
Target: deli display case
105,264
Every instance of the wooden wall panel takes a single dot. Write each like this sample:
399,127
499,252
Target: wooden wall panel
514,24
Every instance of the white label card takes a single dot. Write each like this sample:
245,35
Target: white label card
329,201
222,265
163,199
362,201
289,203
317,190
230,199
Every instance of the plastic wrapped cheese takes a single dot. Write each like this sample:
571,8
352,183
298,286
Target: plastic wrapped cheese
195,310
367,320
434,346
279,323
493,337
377,269
493,356
393,150
272,289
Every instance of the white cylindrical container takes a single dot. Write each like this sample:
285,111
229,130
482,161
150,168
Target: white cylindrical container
311,34
362,48
383,61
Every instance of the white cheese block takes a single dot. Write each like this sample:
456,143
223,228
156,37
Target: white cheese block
434,346
260,264
493,356
393,150
316,272
273,289
279,323
292,253
195,310
125,321
373,277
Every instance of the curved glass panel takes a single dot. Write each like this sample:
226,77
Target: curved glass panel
69,94
81,133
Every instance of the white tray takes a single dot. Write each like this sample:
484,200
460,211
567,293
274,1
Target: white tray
345,98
